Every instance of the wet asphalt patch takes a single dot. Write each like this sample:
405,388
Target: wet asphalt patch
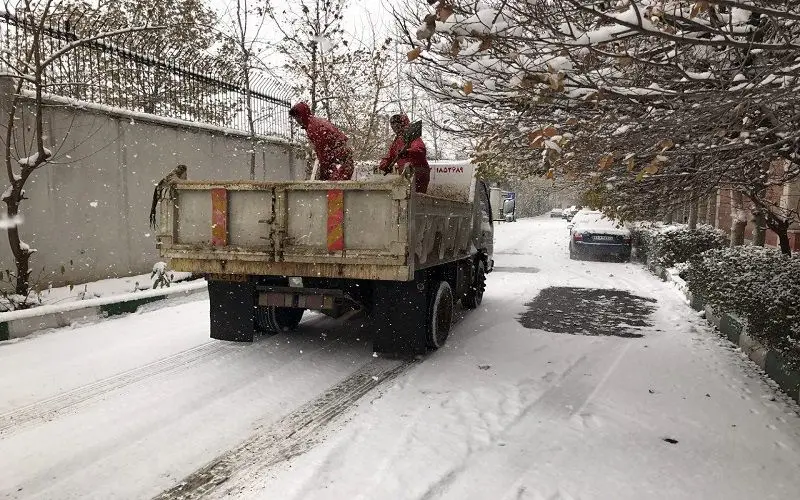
588,311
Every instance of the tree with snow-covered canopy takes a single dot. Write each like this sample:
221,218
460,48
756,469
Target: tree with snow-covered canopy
345,77
675,98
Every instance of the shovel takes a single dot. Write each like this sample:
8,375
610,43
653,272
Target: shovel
412,133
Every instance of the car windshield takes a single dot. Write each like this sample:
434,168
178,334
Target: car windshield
594,219
583,217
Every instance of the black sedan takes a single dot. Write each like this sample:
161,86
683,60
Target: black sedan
593,234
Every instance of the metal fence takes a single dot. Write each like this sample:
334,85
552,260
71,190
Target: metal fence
143,72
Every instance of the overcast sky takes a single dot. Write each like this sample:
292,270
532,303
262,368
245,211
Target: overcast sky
361,13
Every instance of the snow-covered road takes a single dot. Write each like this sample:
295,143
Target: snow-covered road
132,407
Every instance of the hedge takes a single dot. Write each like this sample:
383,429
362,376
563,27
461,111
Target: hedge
670,245
760,285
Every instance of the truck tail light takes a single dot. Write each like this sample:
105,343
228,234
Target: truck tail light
577,236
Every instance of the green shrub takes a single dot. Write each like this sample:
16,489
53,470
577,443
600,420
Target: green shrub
759,284
667,246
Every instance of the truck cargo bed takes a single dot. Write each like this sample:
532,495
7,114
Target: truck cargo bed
352,229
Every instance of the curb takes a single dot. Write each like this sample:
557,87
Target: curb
17,324
735,329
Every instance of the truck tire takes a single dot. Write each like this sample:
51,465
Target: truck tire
440,315
271,319
474,295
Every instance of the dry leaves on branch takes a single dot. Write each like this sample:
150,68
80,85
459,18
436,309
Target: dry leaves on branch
606,161
444,11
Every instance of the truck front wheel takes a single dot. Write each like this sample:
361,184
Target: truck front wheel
277,319
440,315
474,295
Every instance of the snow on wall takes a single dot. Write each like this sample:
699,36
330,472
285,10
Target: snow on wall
87,213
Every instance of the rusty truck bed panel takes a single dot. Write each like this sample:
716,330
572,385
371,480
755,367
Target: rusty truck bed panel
290,228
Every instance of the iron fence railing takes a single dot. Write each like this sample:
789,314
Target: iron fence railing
143,72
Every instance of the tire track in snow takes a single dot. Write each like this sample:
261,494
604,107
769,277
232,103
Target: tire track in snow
67,402
70,401
292,435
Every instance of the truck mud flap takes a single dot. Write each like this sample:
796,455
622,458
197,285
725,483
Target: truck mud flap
232,310
398,317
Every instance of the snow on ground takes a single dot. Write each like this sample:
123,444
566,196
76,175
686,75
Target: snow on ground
97,289
126,408
507,412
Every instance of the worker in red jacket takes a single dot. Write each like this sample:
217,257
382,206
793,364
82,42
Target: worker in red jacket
414,157
334,155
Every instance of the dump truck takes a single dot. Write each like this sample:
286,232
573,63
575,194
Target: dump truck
370,249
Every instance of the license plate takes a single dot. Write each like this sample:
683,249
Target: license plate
602,238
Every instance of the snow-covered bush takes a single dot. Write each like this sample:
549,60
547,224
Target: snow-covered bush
671,245
163,277
679,245
758,284
642,236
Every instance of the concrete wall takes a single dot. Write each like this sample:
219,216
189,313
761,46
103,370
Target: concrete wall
88,210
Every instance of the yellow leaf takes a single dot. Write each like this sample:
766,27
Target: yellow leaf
549,131
444,11
665,144
624,62
467,88
537,141
698,8
413,54
550,174
556,82
651,169
630,162
606,161
455,48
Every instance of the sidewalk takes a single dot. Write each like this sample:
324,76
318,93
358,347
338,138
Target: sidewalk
735,330
16,324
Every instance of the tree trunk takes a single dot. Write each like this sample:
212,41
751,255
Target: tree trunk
738,218
21,256
760,233
711,214
702,211
693,214
783,238
779,226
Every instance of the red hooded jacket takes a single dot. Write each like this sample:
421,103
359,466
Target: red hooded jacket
416,156
330,144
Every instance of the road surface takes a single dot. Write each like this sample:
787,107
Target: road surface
573,380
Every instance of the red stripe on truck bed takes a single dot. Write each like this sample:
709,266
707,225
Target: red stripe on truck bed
219,217
335,220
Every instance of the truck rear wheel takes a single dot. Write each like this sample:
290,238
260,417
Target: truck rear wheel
440,315
277,319
474,295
